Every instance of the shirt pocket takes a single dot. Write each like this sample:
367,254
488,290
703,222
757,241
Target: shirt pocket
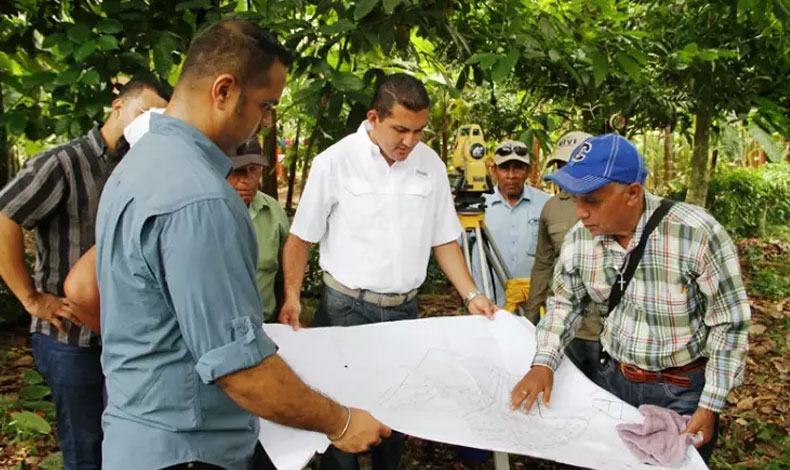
416,198
363,204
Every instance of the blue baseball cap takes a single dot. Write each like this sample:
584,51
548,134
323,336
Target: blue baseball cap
599,161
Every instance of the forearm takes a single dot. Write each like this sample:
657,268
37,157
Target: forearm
295,255
451,261
82,290
563,315
273,391
12,264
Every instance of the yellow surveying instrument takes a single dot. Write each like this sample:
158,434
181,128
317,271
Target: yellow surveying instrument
471,182
470,178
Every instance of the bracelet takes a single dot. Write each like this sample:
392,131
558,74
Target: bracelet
345,428
471,296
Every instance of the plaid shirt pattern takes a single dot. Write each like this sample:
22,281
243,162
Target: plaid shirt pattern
685,301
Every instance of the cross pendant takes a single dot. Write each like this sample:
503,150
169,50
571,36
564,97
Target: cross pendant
622,282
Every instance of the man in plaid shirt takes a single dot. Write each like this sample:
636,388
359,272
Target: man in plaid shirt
678,337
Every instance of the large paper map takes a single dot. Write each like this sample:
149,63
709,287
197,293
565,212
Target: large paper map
449,380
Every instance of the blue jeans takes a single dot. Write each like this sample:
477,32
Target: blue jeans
74,375
586,356
338,309
684,400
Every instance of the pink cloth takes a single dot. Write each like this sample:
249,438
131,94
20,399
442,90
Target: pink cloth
658,440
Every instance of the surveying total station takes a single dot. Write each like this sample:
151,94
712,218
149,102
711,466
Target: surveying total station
471,181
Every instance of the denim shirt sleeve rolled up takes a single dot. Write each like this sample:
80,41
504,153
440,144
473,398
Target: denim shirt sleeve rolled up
221,326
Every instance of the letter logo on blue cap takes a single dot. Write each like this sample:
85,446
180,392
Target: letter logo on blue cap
582,151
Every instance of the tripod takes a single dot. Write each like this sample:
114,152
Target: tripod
473,221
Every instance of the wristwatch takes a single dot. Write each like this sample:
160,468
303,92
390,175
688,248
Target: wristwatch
471,296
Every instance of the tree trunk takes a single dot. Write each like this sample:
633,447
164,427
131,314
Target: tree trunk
698,173
669,154
269,185
5,154
307,159
292,170
534,171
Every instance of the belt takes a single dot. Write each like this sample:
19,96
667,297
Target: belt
376,298
672,376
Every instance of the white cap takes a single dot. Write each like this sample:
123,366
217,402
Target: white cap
566,145
510,147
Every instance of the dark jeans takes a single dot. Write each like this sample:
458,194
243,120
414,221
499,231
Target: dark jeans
260,461
681,399
75,377
585,355
338,309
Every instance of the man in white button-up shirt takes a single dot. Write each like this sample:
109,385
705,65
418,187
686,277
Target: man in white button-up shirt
379,202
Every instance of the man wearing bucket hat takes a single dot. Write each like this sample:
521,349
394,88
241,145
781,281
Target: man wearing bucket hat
558,216
675,331
512,213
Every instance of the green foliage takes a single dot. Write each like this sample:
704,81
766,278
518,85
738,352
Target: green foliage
28,414
313,278
53,462
29,423
749,200
435,280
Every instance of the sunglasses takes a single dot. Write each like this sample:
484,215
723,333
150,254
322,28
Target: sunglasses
507,149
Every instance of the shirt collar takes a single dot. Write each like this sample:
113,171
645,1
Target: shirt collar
167,125
498,197
97,143
258,203
363,132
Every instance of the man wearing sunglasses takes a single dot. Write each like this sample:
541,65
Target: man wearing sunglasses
513,212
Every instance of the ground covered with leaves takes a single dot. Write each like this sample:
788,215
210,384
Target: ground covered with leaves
755,430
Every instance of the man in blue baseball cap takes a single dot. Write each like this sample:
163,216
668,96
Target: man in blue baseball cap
665,277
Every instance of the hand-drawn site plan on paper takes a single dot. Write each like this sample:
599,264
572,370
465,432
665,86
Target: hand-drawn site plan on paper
449,380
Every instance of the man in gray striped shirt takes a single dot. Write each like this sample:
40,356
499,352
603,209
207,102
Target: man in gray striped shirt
56,194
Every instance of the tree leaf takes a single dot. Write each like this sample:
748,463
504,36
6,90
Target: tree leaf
31,422
340,26
108,43
91,78
504,66
79,33
485,59
163,56
67,78
363,8
32,377
346,81
110,26
628,65
390,5
52,40
600,64
85,50
34,392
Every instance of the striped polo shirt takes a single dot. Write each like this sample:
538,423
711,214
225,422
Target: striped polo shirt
56,194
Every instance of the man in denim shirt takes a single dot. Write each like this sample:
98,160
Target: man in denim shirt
512,213
188,367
